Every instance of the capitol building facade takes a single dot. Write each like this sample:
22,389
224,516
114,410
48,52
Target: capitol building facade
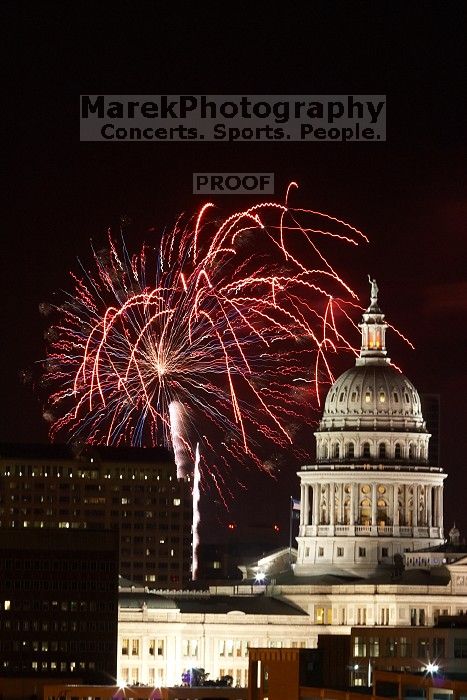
371,547
372,493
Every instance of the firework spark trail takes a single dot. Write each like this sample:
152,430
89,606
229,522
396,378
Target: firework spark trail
211,328
196,513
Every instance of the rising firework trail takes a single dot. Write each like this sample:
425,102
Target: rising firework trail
203,338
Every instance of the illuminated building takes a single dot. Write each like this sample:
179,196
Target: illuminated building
134,491
372,502
373,493
58,608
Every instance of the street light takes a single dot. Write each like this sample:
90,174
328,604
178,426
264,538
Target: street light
259,577
432,668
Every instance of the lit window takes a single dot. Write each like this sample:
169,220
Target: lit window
367,397
176,501
382,397
156,647
360,646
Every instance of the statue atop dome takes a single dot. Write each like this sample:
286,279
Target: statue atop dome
374,292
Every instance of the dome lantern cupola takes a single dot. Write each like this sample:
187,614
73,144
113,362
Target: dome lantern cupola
373,327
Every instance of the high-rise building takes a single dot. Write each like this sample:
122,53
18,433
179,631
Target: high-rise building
58,607
134,491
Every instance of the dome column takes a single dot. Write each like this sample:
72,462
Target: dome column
374,524
341,504
439,518
315,520
429,522
441,513
332,506
354,510
302,504
415,506
395,510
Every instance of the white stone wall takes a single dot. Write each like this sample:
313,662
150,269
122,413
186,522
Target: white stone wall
219,642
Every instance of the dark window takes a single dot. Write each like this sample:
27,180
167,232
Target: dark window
460,648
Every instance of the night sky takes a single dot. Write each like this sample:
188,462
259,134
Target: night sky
407,194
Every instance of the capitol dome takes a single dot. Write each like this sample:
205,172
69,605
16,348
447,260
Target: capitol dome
372,410
373,394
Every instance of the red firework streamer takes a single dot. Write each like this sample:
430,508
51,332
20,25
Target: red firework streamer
218,326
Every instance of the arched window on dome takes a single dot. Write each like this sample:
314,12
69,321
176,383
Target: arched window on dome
324,451
396,397
382,450
336,450
411,451
382,396
368,396
350,450
366,449
398,451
